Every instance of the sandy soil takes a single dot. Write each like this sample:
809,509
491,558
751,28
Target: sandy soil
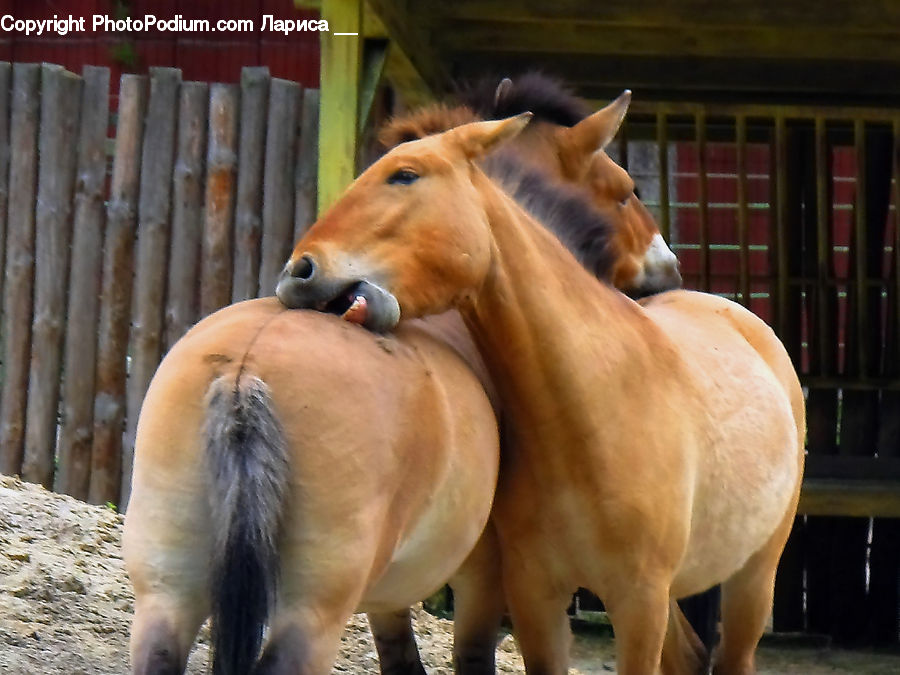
65,605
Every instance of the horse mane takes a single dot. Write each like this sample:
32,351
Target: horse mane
547,97
425,121
561,209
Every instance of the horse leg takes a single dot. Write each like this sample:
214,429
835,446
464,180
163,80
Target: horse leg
162,633
165,546
540,622
303,642
746,605
683,651
478,608
639,612
396,643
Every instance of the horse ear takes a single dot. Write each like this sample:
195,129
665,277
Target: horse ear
502,90
596,131
478,138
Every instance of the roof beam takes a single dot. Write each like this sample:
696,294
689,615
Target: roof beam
558,36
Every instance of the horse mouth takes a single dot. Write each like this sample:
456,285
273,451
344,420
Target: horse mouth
366,304
348,299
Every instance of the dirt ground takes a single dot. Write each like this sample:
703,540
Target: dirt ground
65,606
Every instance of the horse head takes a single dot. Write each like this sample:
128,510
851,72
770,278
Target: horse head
410,234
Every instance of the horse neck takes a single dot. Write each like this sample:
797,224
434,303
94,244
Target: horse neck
547,329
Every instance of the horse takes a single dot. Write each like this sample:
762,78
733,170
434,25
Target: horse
567,143
285,391
650,450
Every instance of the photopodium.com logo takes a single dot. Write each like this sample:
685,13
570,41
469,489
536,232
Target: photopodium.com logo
150,22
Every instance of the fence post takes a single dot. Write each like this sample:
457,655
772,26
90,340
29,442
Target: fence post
307,155
278,185
5,86
73,476
248,206
115,295
187,211
19,262
221,166
154,209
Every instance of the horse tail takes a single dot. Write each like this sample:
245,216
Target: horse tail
247,458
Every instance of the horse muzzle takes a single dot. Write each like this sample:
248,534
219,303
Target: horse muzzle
303,285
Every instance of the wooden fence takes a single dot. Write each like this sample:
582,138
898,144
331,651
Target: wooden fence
107,263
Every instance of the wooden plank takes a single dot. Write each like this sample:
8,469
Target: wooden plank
769,110
861,250
853,467
248,205
116,292
187,211
779,171
80,360
221,170
824,248
662,141
307,155
412,37
374,59
157,162
341,63
703,187
700,40
692,79
17,304
57,150
846,14
278,184
5,95
740,127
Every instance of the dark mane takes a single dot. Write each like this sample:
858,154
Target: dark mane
545,96
559,208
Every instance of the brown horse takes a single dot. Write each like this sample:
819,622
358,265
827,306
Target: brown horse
650,451
293,447
306,396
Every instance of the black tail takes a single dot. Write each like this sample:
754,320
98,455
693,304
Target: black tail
247,456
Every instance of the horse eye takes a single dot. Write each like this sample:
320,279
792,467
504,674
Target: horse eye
402,177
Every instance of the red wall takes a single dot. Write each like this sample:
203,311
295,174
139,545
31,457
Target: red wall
201,56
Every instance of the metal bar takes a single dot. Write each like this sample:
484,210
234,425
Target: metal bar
896,242
700,130
822,242
781,207
740,129
859,132
663,147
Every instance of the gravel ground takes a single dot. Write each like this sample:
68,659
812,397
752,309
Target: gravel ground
65,606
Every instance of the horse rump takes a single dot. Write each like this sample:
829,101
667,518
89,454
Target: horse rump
248,464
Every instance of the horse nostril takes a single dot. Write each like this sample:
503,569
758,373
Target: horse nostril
302,268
